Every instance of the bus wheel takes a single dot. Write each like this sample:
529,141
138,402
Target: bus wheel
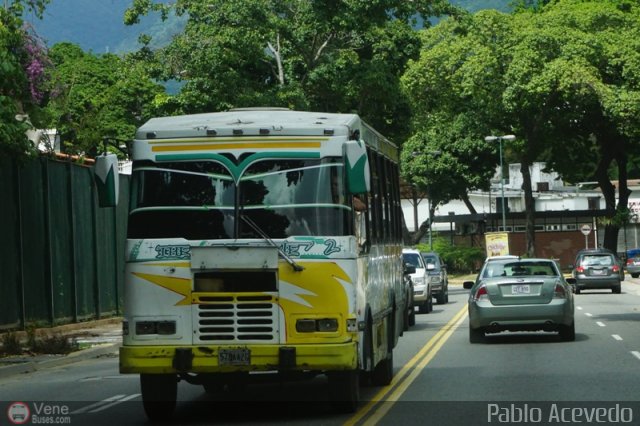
383,372
159,393
344,390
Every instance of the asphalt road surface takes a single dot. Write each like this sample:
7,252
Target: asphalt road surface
440,379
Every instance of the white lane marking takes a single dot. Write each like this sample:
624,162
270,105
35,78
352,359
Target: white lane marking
104,407
615,336
636,354
588,314
600,323
579,308
97,404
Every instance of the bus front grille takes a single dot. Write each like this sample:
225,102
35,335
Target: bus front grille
236,318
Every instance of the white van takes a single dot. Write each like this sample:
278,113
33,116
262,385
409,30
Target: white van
422,296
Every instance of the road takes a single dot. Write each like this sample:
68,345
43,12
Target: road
440,379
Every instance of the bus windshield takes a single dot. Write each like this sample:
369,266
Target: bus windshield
202,200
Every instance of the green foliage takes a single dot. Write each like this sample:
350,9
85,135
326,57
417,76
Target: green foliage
98,96
458,259
327,56
22,66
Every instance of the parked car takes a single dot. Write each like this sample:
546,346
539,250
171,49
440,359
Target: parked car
520,295
597,269
633,266
410,316
438,277
421,286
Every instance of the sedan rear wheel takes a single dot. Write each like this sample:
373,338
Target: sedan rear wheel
476,335
616,289
568,332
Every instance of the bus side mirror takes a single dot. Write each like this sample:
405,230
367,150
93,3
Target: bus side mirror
357,167
106,178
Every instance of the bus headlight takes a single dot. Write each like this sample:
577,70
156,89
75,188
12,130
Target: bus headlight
156,327
323,325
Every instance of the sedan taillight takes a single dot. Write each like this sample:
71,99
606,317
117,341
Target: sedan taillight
615,268
481,294
559,292
580,269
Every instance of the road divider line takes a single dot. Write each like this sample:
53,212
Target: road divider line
636,354
398,380
615,336
384,408
601,324
588,314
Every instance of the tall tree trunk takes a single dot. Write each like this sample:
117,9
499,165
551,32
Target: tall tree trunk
611,229
530,208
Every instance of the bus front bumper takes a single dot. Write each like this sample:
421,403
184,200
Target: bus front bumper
217,359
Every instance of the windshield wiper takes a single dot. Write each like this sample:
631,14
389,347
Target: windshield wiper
260,232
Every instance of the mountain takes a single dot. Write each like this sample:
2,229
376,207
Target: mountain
97,25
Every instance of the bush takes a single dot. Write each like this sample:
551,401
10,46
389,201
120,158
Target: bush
459,259
11,344
54,344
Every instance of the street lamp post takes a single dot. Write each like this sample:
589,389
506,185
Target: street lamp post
507,138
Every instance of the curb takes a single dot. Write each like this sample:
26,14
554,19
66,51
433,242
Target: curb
36,365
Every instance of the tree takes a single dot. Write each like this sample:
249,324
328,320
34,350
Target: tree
592,76
98,96
322,55
558,77
22,73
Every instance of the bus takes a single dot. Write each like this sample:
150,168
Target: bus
260,241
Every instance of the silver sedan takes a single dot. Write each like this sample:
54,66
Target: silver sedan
520,295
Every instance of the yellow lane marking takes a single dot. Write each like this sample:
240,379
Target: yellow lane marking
408,374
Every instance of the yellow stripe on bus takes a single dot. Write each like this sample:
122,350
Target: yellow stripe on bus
238,145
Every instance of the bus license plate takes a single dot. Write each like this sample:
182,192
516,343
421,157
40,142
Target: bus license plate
234,356
520,289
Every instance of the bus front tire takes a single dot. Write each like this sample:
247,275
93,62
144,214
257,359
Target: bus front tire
159,394
344,390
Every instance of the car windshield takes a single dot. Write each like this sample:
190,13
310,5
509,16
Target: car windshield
514,269
413,259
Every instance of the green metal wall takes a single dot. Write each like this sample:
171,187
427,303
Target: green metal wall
62,255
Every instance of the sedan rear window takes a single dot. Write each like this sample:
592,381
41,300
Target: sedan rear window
597,260
519,269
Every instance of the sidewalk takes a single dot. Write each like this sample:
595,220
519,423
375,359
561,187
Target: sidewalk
94,338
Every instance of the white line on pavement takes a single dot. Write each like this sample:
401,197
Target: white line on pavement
636,354
600,323
588,314
104,407
615,336
97,404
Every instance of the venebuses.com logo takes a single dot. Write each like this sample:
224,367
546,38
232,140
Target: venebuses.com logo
18,413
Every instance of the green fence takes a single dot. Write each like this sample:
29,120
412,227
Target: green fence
62,256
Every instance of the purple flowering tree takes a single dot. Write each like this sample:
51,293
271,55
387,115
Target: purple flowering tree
23,64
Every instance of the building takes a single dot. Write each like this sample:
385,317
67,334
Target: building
561,212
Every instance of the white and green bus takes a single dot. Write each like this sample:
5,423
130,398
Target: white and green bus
261,240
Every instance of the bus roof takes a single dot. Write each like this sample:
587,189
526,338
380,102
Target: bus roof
250,121
263,122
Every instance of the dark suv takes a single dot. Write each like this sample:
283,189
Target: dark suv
597,269
437,275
